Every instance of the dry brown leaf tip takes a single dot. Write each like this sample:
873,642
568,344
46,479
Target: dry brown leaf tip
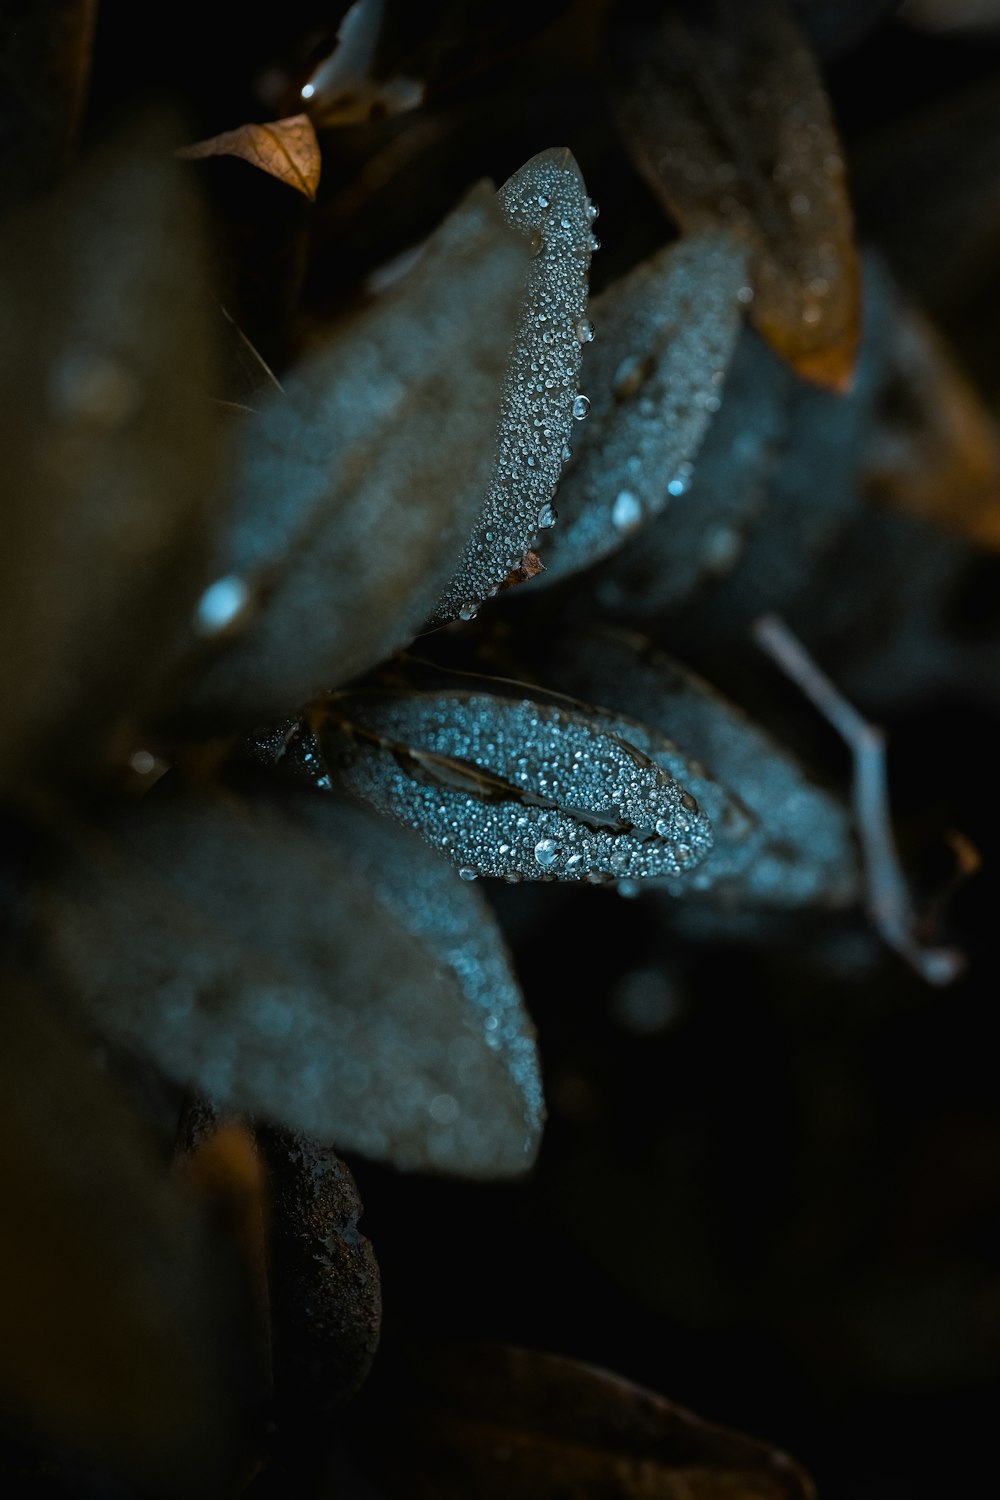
286,149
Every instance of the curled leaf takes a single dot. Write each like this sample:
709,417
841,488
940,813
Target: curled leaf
384,434
233,944
546,200
286,149
483,1422
513,788
723,110
346,89
665,336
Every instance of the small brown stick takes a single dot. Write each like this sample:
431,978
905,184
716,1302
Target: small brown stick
888,897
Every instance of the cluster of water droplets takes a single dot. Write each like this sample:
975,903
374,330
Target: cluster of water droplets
582,804
540,401
668,330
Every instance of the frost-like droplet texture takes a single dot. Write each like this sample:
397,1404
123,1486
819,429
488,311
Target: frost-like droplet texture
547,200
666,333
515,788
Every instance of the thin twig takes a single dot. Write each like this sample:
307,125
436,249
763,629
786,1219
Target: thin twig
888,896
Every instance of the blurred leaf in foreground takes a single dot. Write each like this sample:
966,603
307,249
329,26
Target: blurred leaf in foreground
287,149
723,110
233,942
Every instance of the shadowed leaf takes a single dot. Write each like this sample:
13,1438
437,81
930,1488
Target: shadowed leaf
357,490
107,453
484,1422
723,111
287,149
514,787
546,199
233,944
665,336
114,1319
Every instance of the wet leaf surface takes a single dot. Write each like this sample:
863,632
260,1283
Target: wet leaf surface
664,338
540,403
108,452
287,149
514,787
222,939
722,109
483,1421
119,1331
357,488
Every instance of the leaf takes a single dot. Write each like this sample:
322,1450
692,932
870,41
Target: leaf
666,333
286,149
107,458
486,1421
794,846
836,26
723,111
513,787
356,490
344,89
545,199
119,1333
325,1289
702,537
233,943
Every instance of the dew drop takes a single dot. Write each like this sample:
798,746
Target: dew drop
626,512
581,406
468,874
585,331
469,610
546,853
543,202
221,604
547,517
662,827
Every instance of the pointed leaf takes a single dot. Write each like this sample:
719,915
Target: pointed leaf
723,110
514,787
665,336
233,943
107,452
116,1336
547,200
357,489
287,149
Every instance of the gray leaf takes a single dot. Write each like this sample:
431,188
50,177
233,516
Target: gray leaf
234,943
665,336
515,787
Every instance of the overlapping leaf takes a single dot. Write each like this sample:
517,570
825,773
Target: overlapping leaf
514,787
107,456
358,488
792,846
233,943
723,110
286,149
665,336
547,200
119,1333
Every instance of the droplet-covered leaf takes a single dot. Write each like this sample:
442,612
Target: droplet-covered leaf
665,336
114,1317
357,489
287,149
107,450
546,200
514,787
723,110
233,943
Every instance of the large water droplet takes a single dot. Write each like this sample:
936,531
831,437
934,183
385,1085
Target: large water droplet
468,874
581,406
585,331
546,853
547,517
469,610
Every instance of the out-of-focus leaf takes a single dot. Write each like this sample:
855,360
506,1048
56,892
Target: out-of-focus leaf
358,488
835,26
233,943
798,850
513,787
723,111
106,459
117,1329
287,149
484,1422
44,62
702,536
326,1297
344,89
934,449
546,199
665,336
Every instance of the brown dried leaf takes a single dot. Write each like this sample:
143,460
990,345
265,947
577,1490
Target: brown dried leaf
723,111
286,149
484,1422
